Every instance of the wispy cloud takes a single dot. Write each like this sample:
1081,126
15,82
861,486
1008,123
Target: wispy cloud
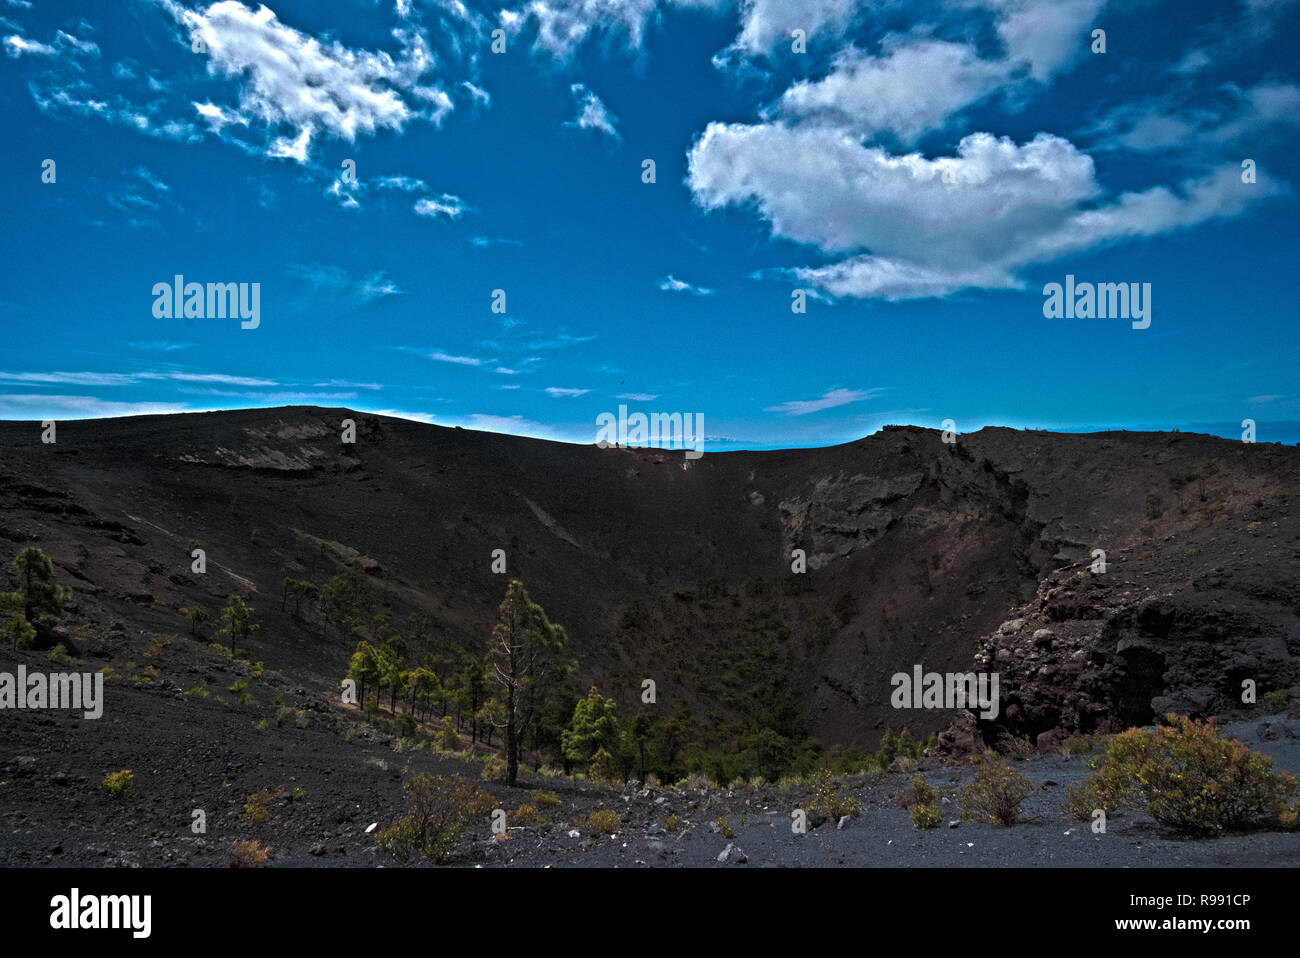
70,379
671,284
220,378
446,205
406,184
638,397
159,345
41,406
338,283
291,81
457,360
483,242
592,112
560,392
828,400
130,379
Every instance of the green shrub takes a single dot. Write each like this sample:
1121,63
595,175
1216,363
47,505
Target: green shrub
118,784
258,806
1191,780
1078,745
995,796
437,809
1081,801
494,769
1016,748
926,816
924,804
1272,703
239,687
247,854
406,725
19,633
602,767
448,737
59,656
602,821
831,800
545,800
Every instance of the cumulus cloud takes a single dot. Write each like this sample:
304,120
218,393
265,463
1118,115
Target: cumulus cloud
926,227
910,90
1044,35
764,23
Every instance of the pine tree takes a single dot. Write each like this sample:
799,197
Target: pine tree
527,659
237,621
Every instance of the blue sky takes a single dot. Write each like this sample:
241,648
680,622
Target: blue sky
921,170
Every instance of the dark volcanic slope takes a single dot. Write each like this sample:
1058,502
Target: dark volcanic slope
680,570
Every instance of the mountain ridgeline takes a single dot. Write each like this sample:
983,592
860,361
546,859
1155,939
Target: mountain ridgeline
978,555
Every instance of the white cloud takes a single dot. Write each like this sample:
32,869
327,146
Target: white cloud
458,360
828,400
1160,124
423,417
671,284
337,283
296,149
820,185
910,90
562,25
406,184
592,112
446,205
70,379
220,378
561,392
638,397
1007,205
478,95
764,23
218,117
39,406
16,46
1046,35
512,426
290,79
483,242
